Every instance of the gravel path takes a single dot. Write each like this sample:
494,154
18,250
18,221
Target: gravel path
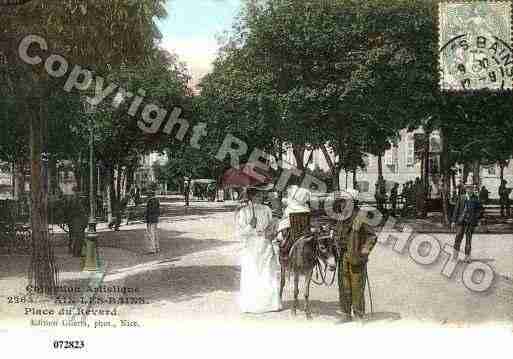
196,278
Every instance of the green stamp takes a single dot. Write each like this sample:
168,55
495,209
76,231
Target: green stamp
475,46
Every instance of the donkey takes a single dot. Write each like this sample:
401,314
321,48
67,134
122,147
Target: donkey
314,248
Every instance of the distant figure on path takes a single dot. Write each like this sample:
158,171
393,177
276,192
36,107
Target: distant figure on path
152,222
187,191
77,225
484,194
466,216
420,197
393,197
260,267
380,194
137,196
504,193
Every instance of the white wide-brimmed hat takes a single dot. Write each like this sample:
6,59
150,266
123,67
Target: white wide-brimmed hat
298,194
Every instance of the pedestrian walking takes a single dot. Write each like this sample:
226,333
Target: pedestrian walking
380,194
504,193
406,195
137,196
466,216
77,224
420,197
152,221
187,191
393,198
484,195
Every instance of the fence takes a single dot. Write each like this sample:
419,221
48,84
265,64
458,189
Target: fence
15,234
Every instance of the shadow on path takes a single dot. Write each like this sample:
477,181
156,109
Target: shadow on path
178,284
172,243
171,211
318,307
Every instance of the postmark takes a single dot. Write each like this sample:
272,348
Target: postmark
475,51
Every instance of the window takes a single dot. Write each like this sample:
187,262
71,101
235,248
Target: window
392,157
363,186
389,157
410,154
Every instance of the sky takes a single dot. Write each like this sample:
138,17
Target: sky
191,30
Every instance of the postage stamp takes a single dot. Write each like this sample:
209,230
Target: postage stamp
475,50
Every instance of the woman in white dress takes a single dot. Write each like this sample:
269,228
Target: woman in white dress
260,268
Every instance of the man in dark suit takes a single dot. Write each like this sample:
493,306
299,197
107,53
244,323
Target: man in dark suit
504,193
152,222
466,216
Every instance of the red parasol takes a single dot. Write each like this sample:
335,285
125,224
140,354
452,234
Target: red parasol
246,175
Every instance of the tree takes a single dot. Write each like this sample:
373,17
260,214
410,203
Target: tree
326,76
120,143
345,77
101,33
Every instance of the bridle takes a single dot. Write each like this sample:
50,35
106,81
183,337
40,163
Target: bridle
317,257
319,270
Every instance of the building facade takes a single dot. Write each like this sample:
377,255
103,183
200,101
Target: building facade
400,164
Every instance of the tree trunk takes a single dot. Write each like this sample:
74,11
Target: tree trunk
426,177
109,181
465,173
54,179
310,158
334,169
121,203
335,181
43,270
77,172
119,177
380,167
355,182
299,155
476,180
446,179
129,179
19,179
502,171
13,180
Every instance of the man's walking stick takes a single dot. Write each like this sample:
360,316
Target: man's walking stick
369,288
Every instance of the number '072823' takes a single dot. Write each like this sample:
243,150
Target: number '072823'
68,344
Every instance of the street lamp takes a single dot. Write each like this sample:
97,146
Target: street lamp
91,255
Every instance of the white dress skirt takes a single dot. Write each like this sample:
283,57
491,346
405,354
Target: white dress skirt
260,267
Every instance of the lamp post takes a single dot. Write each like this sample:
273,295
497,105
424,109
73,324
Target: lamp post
92,258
